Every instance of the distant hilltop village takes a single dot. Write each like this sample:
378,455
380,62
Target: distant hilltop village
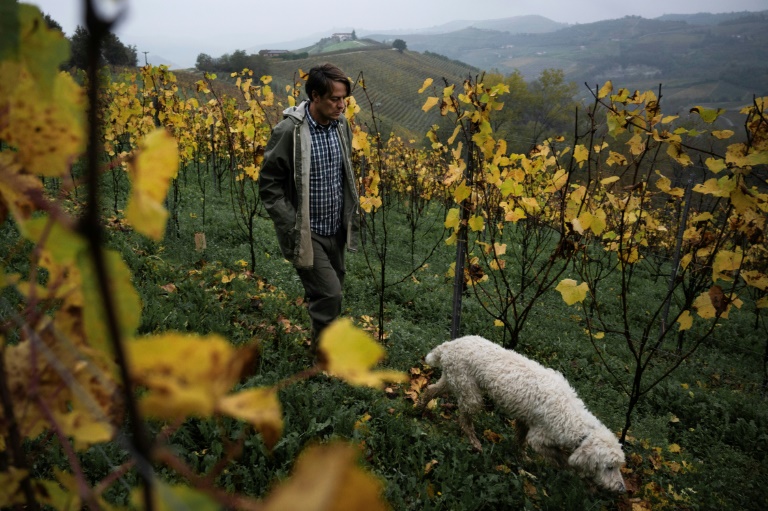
338,37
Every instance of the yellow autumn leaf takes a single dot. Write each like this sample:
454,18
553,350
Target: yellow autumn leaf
571,291
176,390
152,170
426,84
715,164
636,144
498,323
327,478
252,171
605,90
476,223
350,354
675,150
452,219
598,223
674,448
723,134
125,300
530,204
707,115
175,498
609,180
665,185
430,103
369,204
685,320
43,108
10,482
260,407
453,136
581,153
462,192
704,307
716,187
615,158
726,261
756,279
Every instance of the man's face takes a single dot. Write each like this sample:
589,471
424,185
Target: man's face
325,109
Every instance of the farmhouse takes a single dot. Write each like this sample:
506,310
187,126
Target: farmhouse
342,36
273,53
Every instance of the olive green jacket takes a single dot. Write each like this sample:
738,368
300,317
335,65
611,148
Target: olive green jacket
284,185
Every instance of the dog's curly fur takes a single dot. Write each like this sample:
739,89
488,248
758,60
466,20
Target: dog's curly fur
550,416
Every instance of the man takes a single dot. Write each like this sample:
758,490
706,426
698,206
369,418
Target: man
307,185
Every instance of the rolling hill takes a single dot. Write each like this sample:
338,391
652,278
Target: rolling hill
700,58
392,81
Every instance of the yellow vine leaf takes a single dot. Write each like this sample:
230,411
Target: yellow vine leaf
616,159
742,156
581,153
462,192
47,129
430,103
369,204
723,134
605,90
756,279
350,354
453,136
125,299
152,170
715,164
665,185
704,307
452,219
571,291
609,180
476,223
530,204
260,407
685,320
636,144
675,150
196,387
707,115
327,478
175,498
426,84
726,261
717,187
10,482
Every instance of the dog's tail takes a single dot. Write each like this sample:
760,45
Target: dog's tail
433,357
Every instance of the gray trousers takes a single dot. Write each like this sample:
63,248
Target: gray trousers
324,282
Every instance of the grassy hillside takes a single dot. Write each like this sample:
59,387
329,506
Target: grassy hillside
392,81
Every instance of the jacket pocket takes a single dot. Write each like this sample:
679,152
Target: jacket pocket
287,242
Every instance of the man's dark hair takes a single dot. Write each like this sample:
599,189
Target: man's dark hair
320,79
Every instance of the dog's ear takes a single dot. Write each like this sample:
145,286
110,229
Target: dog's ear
585,459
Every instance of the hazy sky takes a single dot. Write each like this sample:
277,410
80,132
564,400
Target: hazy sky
179,30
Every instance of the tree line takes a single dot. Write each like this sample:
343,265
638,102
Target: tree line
114,52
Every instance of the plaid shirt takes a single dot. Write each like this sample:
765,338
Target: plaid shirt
326,198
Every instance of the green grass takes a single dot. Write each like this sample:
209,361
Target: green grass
711,407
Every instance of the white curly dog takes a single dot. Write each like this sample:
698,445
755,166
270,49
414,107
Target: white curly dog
550,416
